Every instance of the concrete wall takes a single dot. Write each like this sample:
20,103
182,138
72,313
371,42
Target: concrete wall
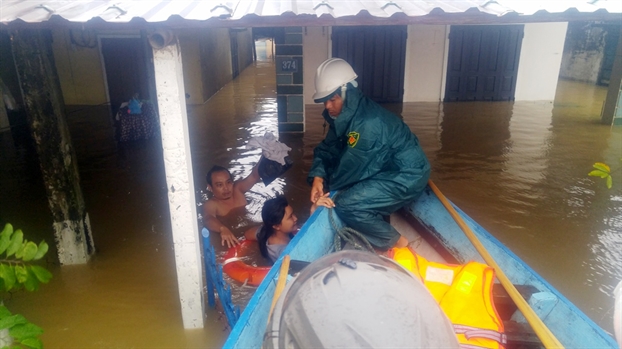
245,48
215,60
315,50
426,48
206,56
79,68
190,46
583,52
540,61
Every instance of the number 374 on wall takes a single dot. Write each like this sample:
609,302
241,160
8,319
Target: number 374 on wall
289,65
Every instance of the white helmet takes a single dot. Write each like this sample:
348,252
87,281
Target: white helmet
330,75
360,300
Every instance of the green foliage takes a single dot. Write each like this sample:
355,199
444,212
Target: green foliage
17,332
17,272
601,170
15,251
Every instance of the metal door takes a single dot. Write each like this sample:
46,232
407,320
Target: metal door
377,54
483,62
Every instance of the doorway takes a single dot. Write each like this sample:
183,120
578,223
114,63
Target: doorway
483,62
378,55
125,64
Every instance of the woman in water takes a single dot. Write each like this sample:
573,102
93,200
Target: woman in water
279,225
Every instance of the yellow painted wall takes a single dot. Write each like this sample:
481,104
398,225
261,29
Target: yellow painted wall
206,58
189,43
245,48
79,70
215,60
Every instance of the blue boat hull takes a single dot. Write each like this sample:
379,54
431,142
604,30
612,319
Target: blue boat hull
315,239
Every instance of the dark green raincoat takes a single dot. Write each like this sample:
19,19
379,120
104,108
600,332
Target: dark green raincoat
375,161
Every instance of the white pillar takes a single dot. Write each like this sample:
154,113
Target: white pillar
540,61
179,178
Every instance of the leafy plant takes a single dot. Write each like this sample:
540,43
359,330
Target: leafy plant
17,272
603,170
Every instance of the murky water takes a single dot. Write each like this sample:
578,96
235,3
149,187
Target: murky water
520,169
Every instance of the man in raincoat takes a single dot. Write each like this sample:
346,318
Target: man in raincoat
369,155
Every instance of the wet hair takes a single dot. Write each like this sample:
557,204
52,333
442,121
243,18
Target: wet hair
272,214
213,170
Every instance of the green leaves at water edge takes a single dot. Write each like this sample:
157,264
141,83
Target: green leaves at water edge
13,243
601,170
5,237
16,242
41,250
20,331
28,276
16,271
16,255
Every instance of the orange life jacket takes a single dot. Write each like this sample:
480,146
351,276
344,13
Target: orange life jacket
464,292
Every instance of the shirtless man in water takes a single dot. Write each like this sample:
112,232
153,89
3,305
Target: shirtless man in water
228,195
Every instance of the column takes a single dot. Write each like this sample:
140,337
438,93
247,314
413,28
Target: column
179,178
289,80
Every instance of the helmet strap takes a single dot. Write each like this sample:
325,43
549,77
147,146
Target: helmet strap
344,87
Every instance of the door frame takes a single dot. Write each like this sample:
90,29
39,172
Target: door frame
148,61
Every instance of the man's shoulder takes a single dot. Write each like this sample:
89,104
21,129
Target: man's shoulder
212,205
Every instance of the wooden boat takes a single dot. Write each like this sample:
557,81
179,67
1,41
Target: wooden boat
437,236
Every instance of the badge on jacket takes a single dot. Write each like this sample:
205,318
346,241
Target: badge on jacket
353,138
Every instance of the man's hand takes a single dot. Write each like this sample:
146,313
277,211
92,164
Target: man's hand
317,189
227,236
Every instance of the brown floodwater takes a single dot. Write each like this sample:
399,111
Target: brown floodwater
519,169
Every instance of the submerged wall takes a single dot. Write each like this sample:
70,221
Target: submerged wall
79,66
540,60
215,60
245,47
206,61
583,52
425,62
315,50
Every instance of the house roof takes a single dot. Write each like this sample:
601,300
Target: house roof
302,12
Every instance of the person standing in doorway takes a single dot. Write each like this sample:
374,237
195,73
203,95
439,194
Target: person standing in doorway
369,155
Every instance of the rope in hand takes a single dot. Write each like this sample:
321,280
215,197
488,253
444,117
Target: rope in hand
348,234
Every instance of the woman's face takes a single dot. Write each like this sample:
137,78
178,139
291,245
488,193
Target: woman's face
288,224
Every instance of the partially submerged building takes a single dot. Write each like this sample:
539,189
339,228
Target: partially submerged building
59,55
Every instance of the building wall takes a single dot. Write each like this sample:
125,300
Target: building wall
425,67
540,61
206,62
215,60
583,52
315,50
79,68
245,48
190,45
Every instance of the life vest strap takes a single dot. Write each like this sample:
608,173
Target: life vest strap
473,332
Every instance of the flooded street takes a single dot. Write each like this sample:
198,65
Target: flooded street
519,169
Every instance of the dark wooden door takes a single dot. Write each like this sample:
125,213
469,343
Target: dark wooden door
377,54
126,69
483,62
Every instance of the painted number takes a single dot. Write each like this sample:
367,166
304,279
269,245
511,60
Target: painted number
289,65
